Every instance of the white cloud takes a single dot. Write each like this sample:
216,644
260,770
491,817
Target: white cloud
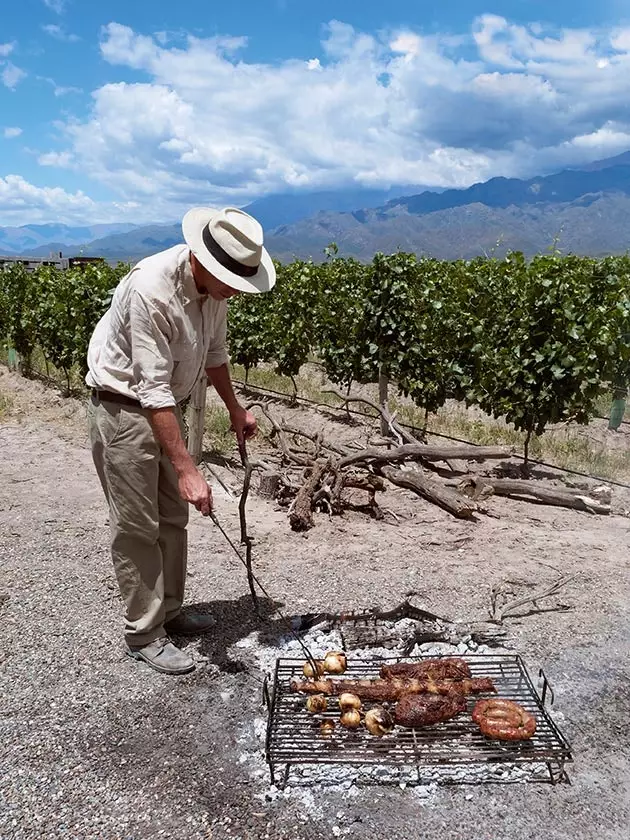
59,33
6,49
209,126
60,159
57,6
12,131
22,202
11,75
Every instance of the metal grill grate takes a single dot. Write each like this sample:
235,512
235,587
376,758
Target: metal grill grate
452,751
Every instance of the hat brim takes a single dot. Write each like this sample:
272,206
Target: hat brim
193,225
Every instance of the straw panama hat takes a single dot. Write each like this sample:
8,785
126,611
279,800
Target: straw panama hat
229,244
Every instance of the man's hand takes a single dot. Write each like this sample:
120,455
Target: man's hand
195,489
243,423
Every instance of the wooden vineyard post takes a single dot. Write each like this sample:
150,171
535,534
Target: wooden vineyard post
383,383
197,418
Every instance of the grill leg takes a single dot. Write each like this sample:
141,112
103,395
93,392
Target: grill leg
285,777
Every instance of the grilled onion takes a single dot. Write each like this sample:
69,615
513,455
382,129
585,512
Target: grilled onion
349,701
379,721
335,662
351,719
327,728
308,671
316,703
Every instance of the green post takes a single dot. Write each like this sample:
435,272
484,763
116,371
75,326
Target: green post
617,410
13,357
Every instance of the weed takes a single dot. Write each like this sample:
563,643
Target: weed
6,404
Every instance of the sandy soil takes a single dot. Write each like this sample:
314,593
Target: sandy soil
95,745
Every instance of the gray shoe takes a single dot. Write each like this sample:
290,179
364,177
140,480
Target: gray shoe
190,623
163,656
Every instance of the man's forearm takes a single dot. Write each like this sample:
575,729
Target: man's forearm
168,434
222,382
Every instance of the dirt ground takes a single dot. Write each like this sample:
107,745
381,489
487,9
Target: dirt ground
94,745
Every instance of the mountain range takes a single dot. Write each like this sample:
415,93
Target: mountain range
583,210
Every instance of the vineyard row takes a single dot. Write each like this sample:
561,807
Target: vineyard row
535,341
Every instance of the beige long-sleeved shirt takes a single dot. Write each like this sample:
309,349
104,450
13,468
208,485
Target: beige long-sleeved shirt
159,333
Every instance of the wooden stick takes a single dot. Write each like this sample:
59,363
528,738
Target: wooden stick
498,613
246,540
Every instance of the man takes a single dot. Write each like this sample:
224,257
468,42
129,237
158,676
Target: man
165,325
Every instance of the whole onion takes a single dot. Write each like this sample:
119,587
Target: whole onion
351,719
349,701
378,721
335,662
316,703
309,672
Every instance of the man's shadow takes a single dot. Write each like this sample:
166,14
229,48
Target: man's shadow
235,620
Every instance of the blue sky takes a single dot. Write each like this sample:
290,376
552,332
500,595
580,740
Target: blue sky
136,110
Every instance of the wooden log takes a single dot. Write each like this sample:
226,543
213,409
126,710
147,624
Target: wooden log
534,491
301,516
451,501
269,484
426,453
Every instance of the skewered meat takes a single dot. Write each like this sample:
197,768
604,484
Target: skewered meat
439,669
504,720
424,709
384,690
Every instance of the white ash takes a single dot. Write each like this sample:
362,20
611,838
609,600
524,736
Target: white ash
345,779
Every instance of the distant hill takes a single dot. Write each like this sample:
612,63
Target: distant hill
130,242
276,210
32,239
596,224
585,210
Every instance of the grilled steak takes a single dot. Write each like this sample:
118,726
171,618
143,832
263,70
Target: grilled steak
439,669
424,709
394,689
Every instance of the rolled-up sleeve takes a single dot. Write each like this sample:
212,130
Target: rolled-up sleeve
217,349
151,357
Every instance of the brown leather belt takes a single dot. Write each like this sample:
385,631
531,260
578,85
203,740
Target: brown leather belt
111,396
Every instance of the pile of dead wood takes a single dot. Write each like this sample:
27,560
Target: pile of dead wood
314,473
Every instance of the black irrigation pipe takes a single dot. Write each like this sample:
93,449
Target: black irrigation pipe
285,396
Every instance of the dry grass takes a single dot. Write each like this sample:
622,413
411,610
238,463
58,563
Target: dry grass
217,429
6,404
590,449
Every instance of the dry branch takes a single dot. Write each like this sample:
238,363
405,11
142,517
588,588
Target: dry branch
396,431
301,516
432,491
531,491
422,451
498,613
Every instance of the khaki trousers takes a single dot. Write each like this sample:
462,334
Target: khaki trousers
147,516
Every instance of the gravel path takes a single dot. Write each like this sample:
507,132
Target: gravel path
94,746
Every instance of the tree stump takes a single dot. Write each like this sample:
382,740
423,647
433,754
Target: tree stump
269,485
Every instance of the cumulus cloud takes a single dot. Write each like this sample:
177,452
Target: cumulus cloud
11,75
59,33
400,107
22,202
12,131
57,6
